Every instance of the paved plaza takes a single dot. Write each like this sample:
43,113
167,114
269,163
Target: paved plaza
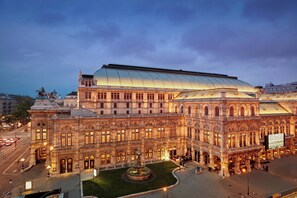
282,176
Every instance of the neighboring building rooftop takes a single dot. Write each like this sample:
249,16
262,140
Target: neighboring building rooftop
213,94
284,88
272,108
147,77
73,93
279,97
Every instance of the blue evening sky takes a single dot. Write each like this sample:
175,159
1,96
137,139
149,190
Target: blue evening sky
47,42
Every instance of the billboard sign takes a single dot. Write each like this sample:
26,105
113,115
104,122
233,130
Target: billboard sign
274,141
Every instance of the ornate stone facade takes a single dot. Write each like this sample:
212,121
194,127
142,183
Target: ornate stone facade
222,125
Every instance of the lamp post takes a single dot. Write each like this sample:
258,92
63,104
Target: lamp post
48,171
22,160
248,180
166,191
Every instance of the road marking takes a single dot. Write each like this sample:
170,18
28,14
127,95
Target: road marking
4,172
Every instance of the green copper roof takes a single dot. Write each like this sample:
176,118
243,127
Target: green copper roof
144,77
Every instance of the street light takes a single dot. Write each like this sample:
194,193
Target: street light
248,180
48,171
22,160
166,191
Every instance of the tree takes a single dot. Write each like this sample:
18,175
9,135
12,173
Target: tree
20,113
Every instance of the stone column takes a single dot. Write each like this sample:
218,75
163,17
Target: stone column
201,157
224,166
32,161
248,164
237,164
211,161
258,161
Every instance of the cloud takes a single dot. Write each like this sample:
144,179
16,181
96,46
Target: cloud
225,41
105,33
133,44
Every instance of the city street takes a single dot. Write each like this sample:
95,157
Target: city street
10,164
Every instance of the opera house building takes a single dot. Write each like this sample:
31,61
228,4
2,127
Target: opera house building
216,120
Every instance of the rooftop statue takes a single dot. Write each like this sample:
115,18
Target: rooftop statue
42,94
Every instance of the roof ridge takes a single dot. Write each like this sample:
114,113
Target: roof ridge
153,69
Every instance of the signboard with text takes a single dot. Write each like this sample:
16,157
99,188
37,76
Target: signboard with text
274,141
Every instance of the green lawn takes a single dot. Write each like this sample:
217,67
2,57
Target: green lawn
110,184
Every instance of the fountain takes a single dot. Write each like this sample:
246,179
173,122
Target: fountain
138,171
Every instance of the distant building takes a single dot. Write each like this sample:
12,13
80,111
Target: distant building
7,104
284,88
71,100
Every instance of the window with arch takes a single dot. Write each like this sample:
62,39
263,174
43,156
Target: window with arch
121,156
217,111
175,109
206,111
148,153
189,110
182,109
241,111
231,111
105,158
253,111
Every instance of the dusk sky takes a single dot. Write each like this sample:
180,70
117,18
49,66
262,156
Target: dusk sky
47,43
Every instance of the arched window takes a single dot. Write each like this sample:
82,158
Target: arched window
189,110
252,111
175,109
206,111
217,111
182,109
231,113
242,111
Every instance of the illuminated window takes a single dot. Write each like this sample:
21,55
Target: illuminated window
66,139
89,138
121,156
105,158
121,135
135,134
41,131
161,133
105,136
148,154
217,139
63,139
161,152
148,134
69,139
